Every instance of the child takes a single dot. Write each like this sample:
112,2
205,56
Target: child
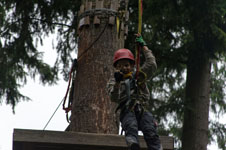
132,95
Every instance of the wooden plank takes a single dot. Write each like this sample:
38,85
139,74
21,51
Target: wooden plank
88,7
114,6
81,21
60,140
99,4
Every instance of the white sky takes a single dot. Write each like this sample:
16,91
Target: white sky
35,114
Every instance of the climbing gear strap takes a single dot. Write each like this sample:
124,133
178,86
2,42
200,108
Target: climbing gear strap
138,47
138,60
141,77
140,14
69,107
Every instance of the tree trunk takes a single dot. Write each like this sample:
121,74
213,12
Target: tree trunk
92,110
195,126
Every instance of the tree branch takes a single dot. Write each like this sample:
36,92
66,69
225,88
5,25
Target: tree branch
54,23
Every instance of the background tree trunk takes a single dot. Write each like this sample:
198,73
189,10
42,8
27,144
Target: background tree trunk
195,126
92,110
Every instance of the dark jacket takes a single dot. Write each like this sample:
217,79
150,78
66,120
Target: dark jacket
141,94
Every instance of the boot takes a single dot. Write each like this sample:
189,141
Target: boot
133,146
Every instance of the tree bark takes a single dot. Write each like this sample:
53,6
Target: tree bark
195,126
92,110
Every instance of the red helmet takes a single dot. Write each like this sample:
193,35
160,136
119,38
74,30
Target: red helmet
123,54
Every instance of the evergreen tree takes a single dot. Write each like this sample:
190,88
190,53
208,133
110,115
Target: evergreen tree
186,37
20,29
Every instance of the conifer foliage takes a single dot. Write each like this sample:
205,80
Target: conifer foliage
23,24
188,39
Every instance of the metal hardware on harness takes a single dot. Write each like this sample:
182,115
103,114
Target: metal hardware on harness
99,11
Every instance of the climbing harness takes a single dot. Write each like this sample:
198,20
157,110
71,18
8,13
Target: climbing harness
67,109
130,83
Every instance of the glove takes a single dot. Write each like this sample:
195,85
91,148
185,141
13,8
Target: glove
140,41
118,76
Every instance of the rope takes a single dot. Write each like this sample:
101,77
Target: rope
52,115
67,109
68,87
138,47
69,83
64,99
140,14
93,42
138,60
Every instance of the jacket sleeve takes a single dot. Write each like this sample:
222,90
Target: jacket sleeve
113,90
150,63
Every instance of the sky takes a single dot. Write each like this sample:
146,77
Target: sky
33,114
36,113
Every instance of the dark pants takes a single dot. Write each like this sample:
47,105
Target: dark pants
132,122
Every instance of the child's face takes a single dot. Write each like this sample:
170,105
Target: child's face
124,65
